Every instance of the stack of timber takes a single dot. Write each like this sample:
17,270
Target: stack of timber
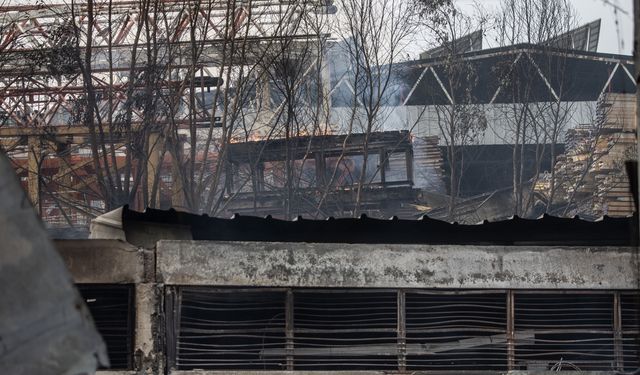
428,164
612,182
592,175
428,176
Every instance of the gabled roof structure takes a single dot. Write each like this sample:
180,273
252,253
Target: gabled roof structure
503,75
583,38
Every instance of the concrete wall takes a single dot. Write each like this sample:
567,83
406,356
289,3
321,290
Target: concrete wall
423,121
394,266
328,265
106,261
118,262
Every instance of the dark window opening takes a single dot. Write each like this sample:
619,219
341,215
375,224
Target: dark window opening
570,331
344,330
230,329
630,314
112,308
403,330
465,331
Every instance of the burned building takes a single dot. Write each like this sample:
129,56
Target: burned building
143,152
176,293
519,107
322,176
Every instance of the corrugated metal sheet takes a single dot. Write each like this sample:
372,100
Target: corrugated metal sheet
547,230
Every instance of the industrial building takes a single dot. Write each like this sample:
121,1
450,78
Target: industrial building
327,266
503,165
176,293
527,103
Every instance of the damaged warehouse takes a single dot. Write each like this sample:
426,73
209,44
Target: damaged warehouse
318,187
195,298
192,137
328,170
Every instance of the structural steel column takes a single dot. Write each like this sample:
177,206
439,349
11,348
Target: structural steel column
289,327
511,352
402,331
172,314
618,348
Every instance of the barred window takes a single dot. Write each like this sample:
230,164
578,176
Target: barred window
401,330
112,308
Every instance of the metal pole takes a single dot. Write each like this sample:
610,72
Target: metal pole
402,332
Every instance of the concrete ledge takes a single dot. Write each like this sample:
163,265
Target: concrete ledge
105,261
394,266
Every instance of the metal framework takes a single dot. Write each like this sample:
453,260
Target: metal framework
53,56
35,97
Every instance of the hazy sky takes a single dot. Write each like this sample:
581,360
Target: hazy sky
612,39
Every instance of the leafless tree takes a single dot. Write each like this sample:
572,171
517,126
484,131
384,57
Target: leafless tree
460,119
375,35
533,123
164,110
162,92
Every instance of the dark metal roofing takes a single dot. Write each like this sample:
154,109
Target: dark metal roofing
528,47
584,38
547,230
575,79
521,71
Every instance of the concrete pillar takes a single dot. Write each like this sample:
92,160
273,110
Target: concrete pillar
33,171
263,95
325,74
263,103
147,353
